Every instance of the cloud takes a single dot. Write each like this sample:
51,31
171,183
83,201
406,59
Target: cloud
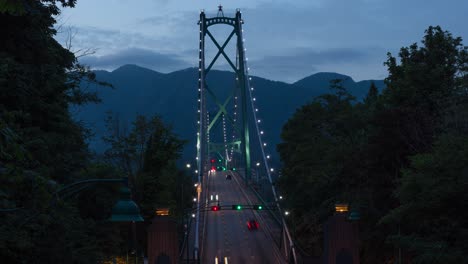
142,57
308,56
303,62
285,40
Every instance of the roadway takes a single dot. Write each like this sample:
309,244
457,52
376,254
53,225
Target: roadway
227,238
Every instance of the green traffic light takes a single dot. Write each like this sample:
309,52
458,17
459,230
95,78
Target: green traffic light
260,207
237,207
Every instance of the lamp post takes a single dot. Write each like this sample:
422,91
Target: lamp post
188,214
125,210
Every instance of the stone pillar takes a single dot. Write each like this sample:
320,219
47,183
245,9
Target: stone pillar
163,246
341,239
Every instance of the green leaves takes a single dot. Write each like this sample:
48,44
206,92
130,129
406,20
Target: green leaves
400,157
148,152
321,150
12,7
41,146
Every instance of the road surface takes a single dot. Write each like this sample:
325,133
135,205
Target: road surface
227,238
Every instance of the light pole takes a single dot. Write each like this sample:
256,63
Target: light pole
125,209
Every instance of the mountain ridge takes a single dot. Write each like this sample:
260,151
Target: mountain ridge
131,66
173,96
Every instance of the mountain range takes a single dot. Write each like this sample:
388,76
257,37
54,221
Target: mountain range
173,96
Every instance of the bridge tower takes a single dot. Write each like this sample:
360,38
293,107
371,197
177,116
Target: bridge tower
237,119
213,117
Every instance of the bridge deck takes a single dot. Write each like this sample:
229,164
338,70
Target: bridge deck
227,236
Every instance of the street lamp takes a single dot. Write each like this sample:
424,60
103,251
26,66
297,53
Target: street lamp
125,210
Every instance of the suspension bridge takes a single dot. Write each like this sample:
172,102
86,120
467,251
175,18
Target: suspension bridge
234,177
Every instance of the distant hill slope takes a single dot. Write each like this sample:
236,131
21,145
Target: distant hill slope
139,90
321,80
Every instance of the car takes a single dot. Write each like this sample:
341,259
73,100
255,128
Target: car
214,196
252,224
229,177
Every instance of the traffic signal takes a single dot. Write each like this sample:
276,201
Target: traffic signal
215,208
237,207
258,207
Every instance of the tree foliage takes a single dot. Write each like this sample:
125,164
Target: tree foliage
397,157
41,147
147,152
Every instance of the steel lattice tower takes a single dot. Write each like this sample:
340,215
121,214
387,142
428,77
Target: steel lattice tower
242,144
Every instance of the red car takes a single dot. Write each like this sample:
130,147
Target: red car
252,224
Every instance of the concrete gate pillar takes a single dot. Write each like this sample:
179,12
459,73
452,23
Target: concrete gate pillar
163,247
341,239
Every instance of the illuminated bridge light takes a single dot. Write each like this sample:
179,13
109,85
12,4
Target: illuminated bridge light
258,207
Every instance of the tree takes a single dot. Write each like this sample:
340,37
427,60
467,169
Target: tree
372,94
321,150
396,157
122,148
432,214
42,147
158,177
420,86
426,99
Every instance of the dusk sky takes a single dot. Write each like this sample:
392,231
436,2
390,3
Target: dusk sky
285,40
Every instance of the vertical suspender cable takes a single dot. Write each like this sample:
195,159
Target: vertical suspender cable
291,244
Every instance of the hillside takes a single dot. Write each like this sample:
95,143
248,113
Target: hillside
139,90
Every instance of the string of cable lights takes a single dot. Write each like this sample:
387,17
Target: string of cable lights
263,144
257,121
225,140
